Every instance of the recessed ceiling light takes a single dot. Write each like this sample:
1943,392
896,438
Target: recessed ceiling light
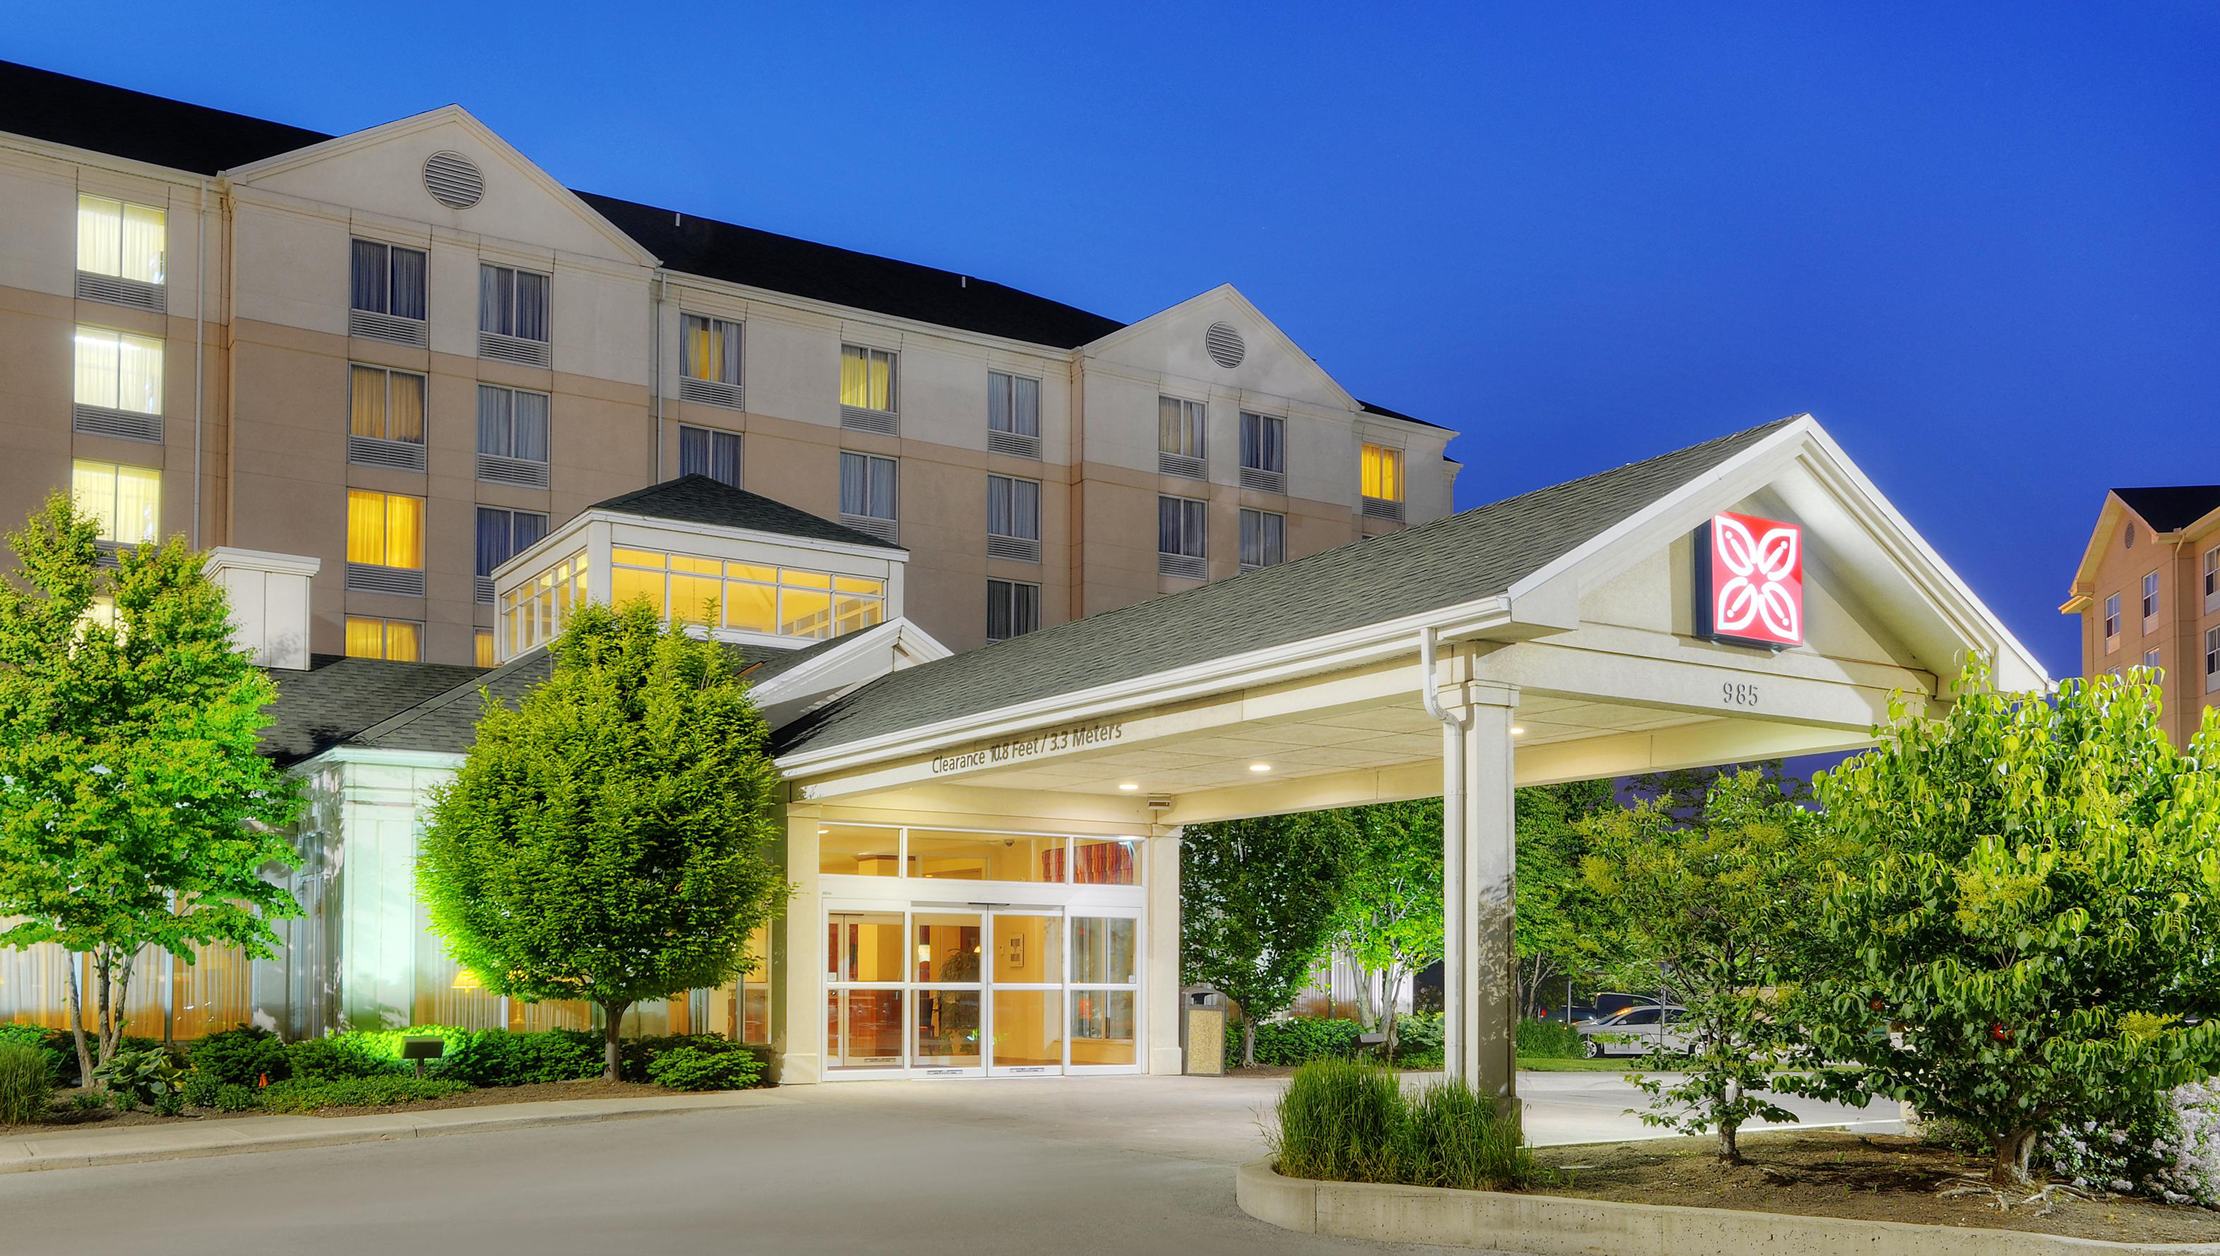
1518,730
1260,767
1128,786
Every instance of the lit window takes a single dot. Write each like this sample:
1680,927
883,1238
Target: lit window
1263,442
1382,473
867,486
1263,539
705,451
386,279
126,500
1013,507
867,378
1180,427
749,597
512,423
502,535
712,349
1013,608
121,240
1013,404
1179,527
119,371
535,610
394,640
2150,598
385,404
481,647
2112,620
512,302
385,530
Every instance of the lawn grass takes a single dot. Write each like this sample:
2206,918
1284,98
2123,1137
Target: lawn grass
1615,1064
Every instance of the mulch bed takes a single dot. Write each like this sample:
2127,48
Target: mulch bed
65,1116
1873,1177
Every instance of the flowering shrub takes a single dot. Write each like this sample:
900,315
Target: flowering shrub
2170,1152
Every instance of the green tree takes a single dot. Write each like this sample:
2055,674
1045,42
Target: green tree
135,809
1258,900
1723,906
1554,929
1390,920
2034,910
611,839
1683,792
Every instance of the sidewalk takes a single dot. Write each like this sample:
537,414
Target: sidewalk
84,1148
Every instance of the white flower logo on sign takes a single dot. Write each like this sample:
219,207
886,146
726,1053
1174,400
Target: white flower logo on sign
1758,567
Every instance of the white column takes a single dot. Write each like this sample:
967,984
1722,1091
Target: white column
798,962
1160,967
1480,972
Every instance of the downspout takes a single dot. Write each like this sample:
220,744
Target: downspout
1453,725
200,350
655,369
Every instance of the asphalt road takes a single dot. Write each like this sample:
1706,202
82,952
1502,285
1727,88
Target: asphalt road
1140,1165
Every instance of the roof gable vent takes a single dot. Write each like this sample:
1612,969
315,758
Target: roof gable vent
1224,344
452,180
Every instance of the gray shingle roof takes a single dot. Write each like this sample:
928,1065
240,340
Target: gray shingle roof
699,499
336,698
1466,557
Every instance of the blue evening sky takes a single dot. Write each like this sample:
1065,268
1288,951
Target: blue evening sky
1982,244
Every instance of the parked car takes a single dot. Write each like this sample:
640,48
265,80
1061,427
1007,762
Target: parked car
1612,1002
1635,1031
1573,1015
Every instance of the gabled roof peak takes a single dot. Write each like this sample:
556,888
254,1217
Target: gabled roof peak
700,499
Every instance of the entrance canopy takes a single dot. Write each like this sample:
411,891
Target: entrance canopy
1750,597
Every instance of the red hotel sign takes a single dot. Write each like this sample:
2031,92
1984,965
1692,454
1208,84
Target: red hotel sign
1750,581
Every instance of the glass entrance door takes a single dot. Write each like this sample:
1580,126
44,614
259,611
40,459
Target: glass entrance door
864,990
1028,972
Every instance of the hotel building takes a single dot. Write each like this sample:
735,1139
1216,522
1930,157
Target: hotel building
407,351
2148,595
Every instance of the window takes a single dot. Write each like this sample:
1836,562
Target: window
385,417
1013,518
1263,539
119,371
1382,473
2212,575
2150,659
1180,435
1179,538
780,601
867,379
386,279
512,436
2150,599
534,611
709,360
867,487
1013,608
1264,451
512,302
703,451
481,647
385,530
126,500
502,535
2112,621
2212,659
395,640
1013,415
120,240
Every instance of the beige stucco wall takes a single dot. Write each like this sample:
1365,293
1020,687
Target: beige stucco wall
2178,630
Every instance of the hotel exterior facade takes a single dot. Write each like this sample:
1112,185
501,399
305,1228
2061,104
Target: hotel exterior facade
406,352
2147,593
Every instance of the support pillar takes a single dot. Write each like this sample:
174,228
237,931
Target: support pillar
1160,965
798,959
1480,970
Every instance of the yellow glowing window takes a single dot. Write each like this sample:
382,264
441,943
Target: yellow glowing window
385,529
1383,473
395,640
866,378
121,240
126,500
387,405
481,647
99,613
712,349
119,371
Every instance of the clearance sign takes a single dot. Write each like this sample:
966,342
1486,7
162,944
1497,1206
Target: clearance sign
1750,581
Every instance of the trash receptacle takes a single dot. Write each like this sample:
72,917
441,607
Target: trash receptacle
1202,1030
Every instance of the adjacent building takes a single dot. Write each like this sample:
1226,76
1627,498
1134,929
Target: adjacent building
406,351
2148,594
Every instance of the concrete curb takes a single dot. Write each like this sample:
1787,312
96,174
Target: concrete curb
141,1144
1552,1225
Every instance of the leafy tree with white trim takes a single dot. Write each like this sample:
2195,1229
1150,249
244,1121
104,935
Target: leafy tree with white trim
1391,917
137,814
613,838
2029,936
1258,900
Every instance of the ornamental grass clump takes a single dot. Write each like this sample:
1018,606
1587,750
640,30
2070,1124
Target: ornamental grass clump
1344,1121
26,1083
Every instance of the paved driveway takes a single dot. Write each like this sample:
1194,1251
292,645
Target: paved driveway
1128,1164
